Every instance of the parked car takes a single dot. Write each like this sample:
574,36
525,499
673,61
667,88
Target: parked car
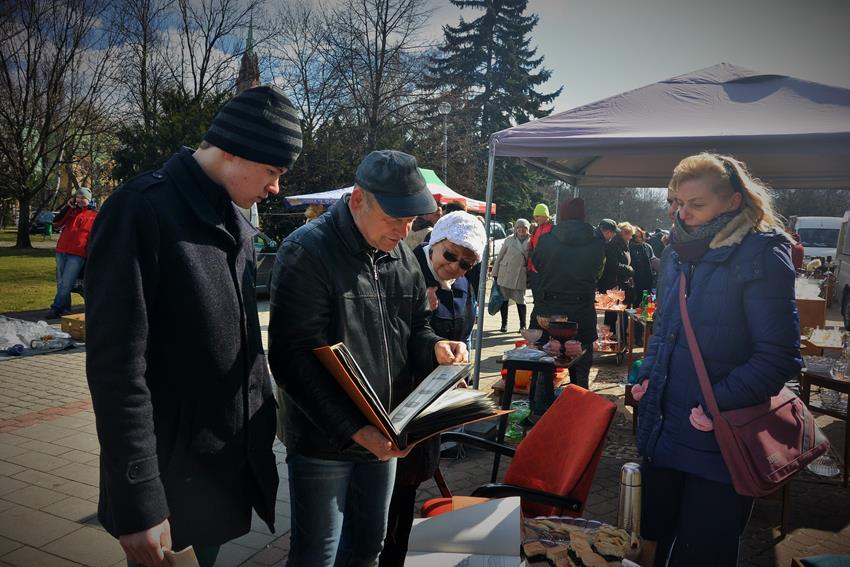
40,221
497,237
266,248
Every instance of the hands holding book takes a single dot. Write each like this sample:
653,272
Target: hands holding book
370,438
451,352
376,443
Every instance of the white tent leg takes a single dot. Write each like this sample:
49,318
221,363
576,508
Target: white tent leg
482,281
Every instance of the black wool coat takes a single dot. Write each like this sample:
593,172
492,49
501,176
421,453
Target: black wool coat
182,395
570,260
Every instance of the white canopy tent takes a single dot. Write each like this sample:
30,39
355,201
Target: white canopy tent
442,194
791,133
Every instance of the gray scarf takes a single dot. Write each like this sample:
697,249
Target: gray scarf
691,246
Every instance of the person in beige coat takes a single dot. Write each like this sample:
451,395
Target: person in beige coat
509,272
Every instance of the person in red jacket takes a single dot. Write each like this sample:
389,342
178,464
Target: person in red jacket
797,252
544,226
75,220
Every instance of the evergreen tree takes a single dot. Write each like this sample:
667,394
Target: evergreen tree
489,60
489,72
180,121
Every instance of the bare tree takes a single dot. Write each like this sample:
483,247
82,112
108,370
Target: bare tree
142,26
302,61
210,43
380,54
55,56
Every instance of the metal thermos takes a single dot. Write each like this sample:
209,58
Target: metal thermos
628,511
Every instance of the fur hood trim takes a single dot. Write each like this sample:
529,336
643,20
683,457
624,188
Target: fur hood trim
739,227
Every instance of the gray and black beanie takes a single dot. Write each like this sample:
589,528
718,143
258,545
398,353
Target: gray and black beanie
259,125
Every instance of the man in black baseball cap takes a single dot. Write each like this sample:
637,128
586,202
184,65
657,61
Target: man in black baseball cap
345,277
397,184
389,192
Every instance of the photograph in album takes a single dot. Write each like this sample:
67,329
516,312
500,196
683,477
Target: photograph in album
435,405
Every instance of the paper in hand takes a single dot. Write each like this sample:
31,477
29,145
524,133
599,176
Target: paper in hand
184,558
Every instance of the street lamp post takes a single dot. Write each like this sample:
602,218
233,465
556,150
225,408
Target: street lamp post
444,108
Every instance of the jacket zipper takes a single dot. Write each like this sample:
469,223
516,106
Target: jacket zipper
383,329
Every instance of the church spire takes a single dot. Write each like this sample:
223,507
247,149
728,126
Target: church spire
249,68
249,43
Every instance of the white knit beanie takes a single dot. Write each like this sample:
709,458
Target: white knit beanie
462,229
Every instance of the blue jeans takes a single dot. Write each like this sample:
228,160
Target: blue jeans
339,511
68,268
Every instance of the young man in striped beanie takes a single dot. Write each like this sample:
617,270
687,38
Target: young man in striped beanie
175,364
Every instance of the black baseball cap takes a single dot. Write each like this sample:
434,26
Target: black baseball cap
397,184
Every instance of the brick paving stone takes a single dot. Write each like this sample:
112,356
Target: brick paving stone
38,461
63,485
232,555
77,456
8,484
82,441
9,469
87,546
42,447
7,545
79,472
42,431
34,497
256,539
33,527
72,508
31,557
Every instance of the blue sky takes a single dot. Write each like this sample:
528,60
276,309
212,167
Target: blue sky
598,48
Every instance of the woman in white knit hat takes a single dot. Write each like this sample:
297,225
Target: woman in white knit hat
509,271
456,245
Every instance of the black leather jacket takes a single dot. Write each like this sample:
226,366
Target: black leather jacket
330,286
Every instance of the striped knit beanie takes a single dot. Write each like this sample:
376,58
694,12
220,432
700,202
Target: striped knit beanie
259,125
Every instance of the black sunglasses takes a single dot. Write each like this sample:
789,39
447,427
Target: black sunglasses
462,264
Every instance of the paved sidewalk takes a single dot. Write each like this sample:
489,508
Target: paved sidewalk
49,474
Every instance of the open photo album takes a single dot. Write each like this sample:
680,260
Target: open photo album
434,406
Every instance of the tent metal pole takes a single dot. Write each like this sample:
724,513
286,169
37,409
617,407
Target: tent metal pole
482,280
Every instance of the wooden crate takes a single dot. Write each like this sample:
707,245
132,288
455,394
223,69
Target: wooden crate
75,325
812,312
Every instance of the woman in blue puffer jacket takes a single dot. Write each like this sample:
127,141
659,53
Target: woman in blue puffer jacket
730,245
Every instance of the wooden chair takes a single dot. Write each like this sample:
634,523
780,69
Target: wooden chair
553,467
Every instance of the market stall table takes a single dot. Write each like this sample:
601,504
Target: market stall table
809,379
634,317
618,349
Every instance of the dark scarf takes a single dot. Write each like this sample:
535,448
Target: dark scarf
691,246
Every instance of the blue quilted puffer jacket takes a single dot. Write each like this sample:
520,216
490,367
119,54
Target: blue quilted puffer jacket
740,298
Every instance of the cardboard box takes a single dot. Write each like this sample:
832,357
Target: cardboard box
75,325
812,312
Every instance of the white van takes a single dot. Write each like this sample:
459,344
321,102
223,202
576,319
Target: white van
819,235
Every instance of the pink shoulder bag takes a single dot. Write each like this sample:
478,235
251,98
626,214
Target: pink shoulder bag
762,445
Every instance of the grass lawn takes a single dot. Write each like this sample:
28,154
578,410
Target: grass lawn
27,277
